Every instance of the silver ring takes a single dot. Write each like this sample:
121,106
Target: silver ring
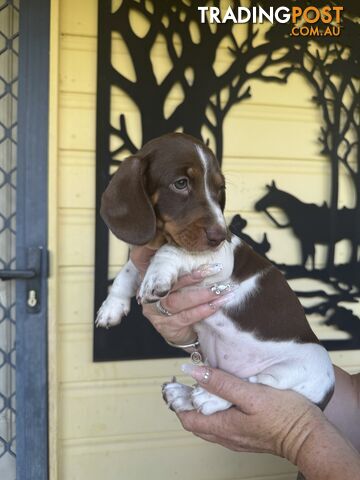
162,310
206,376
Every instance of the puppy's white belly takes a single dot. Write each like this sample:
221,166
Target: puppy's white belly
303,367
225,346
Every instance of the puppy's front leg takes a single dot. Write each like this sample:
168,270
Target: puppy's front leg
117,303
162,273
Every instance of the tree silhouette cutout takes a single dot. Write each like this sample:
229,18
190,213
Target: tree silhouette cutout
192,48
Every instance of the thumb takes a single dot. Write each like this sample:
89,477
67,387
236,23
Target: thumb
243,394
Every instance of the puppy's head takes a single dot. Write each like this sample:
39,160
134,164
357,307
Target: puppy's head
172,186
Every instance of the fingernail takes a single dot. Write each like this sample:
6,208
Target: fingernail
207,270
222,288
222,300
200,374
187,368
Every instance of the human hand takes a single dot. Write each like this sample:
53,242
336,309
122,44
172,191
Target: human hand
281,422
263,419
187,307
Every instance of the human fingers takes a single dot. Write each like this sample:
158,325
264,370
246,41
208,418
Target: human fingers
217,425
195,314
186,317
245,395
177,328
208,437
176,301
199,424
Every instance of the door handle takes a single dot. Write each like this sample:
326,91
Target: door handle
32,276
17,274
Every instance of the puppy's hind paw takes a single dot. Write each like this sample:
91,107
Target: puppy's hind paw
177,396
111,311
208,403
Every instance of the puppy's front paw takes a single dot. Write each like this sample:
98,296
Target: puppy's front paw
156,285
111,311
177,396
207,403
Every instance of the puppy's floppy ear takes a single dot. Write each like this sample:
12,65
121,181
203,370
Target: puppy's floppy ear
126,206
222,199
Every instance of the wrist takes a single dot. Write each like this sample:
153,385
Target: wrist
299,434
190,344
182,338
325,453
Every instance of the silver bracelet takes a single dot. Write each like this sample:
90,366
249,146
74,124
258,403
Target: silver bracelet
195,344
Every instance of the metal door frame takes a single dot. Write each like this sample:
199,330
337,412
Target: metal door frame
32,220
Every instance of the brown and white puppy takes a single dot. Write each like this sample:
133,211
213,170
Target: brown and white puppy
171,195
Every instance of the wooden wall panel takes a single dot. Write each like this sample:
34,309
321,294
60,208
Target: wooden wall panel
170,459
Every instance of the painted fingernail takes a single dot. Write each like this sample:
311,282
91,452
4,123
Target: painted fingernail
222,288
207,270
200,374
187,368
222,300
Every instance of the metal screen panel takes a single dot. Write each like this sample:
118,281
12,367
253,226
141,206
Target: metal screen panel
9,39
330,68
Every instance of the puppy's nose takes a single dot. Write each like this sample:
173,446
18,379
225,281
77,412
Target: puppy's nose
215,235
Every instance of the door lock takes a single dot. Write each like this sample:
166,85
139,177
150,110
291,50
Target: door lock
32,299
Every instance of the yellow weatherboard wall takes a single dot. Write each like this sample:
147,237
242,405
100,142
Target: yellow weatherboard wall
108,420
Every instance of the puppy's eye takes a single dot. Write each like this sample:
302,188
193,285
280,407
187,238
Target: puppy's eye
181,184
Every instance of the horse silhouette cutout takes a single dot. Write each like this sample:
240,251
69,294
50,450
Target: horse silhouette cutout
309,222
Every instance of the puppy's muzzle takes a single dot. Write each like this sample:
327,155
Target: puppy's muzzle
215,235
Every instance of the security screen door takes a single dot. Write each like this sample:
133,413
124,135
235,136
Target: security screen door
9,44
24,32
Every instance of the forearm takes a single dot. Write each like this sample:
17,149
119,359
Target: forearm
320,448
325,454
344,408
